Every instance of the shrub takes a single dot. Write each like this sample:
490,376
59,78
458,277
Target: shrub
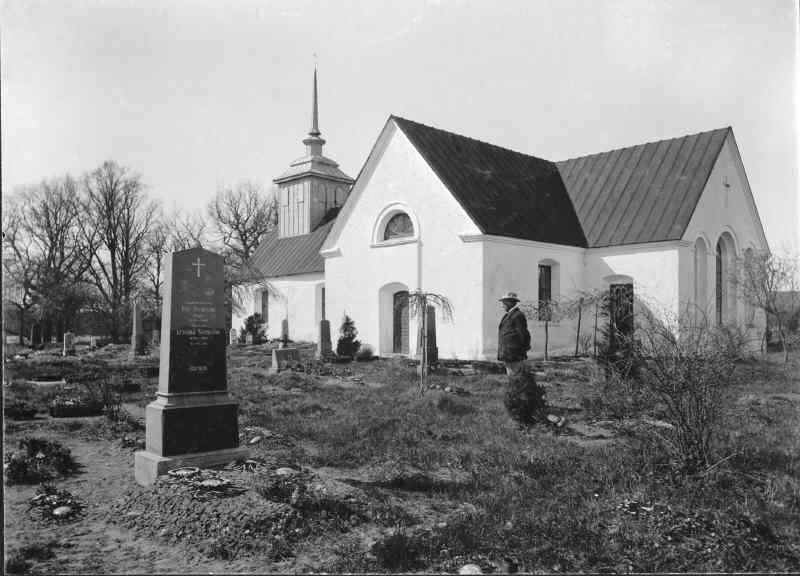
253,325
687,375
524,398
365,353
347,344
455,406
41,460
19,410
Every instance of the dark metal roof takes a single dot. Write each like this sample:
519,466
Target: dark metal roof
644,193
506,193
293,255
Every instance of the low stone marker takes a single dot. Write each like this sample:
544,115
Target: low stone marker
281,357
92,342
324,348
193,421
69,344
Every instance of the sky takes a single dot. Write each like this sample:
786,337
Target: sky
195,95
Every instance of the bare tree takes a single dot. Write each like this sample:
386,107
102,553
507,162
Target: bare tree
419,302
157,246
241,217
188,230
772,283
44,252
117,219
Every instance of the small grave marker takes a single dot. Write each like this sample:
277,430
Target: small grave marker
281,357
325,348
69,344
233,337
248,339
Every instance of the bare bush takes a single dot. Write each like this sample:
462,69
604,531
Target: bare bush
685,368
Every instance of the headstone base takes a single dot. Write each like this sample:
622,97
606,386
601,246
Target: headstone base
149,466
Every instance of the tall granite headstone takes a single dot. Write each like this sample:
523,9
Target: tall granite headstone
193,421
137,331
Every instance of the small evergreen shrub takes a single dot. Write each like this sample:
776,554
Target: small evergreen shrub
253,325
347,344
524,398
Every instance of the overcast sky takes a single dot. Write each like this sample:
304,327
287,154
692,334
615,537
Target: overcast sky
194,95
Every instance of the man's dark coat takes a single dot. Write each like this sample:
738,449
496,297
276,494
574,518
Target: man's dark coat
513,339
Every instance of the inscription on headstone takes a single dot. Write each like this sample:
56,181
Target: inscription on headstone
193,421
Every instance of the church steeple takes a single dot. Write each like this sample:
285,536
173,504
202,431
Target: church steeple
314,143
313,188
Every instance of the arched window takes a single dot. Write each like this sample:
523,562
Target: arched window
398,226
700,278
725,287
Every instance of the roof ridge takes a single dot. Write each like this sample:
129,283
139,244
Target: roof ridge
729,127
484,142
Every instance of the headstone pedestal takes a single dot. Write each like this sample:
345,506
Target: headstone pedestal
193,421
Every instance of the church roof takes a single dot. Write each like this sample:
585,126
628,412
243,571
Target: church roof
506,193
320,166
644,193
292,255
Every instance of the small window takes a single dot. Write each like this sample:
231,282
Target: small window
545,291
398,226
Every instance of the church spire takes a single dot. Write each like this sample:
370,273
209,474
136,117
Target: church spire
314,143
315,110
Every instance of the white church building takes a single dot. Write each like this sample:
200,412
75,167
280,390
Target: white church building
436,211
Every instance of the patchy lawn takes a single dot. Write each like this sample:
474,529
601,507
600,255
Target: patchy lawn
352,470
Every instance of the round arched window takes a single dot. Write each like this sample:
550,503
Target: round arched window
398,226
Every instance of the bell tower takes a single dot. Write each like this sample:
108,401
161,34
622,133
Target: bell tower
313,188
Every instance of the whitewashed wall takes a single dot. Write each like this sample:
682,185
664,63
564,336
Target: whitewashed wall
513,265
437,260
722,209
299,298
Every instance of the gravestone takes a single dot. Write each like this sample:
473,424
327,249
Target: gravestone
155,338
233,337
137,331
432,351
281,357
284,333
92,342
248,339
325,348
36,336
193,421
69,344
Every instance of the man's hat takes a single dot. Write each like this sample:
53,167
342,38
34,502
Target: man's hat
509,296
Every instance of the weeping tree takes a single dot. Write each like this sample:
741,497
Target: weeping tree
546,311
419,302
591,302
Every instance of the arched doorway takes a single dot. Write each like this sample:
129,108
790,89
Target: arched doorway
394,319
725,287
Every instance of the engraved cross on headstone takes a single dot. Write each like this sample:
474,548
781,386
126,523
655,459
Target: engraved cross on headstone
198,264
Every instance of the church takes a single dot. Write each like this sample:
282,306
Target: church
662,223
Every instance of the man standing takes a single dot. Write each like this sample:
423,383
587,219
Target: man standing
513,339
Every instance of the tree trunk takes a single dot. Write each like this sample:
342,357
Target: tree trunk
578,333
595,329
783,344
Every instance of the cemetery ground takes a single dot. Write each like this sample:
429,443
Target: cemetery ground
352,470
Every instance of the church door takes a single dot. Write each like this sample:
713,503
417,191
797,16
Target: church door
400,323
620,313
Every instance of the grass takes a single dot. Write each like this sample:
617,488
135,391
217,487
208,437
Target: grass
529,496
551,504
